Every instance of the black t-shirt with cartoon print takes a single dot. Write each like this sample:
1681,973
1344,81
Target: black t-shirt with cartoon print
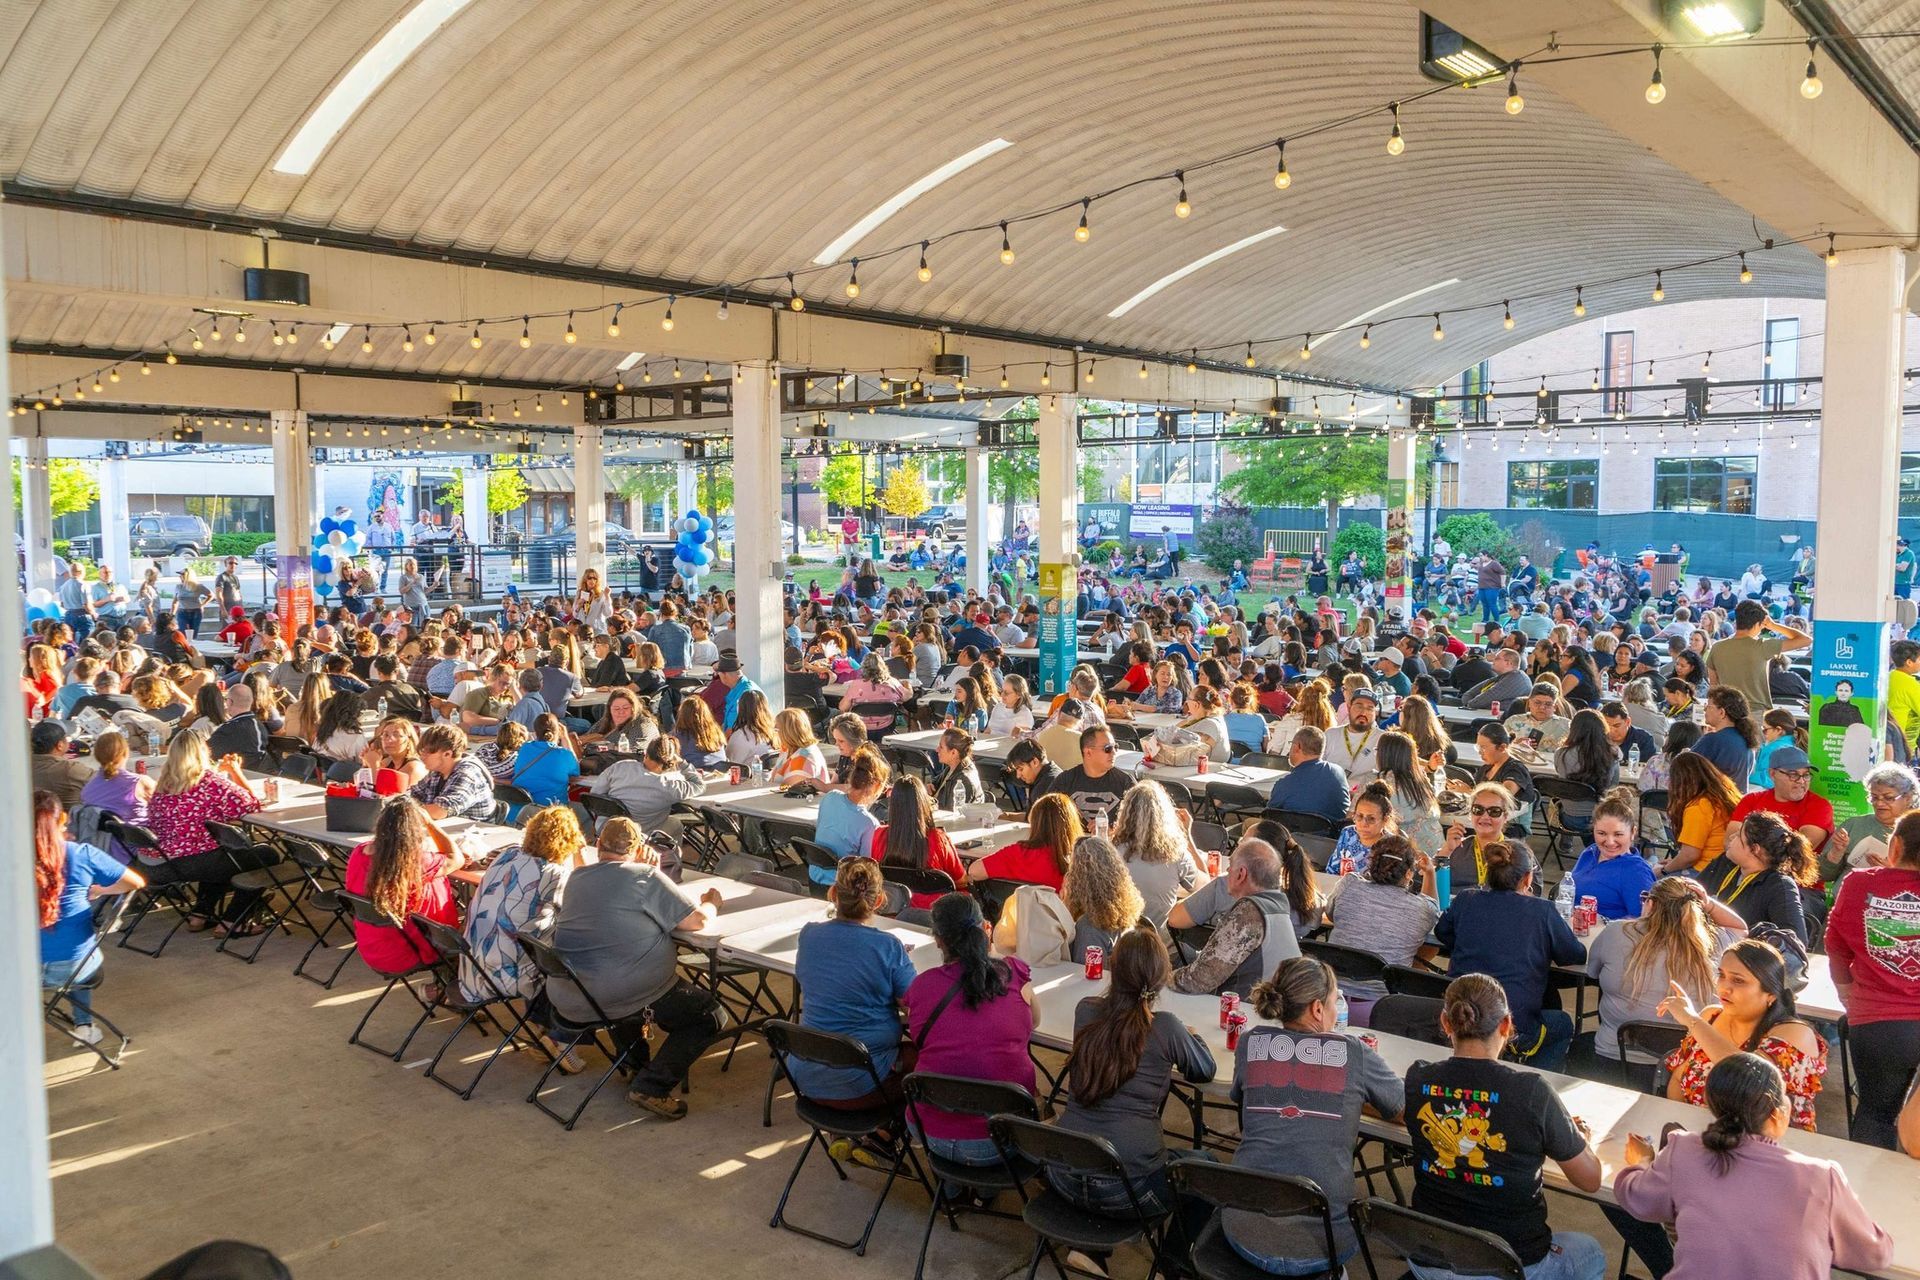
1482,1132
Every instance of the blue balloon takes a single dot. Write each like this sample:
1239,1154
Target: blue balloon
323,588
347,527
328,524
703,523
320,542
701,556
322,564
693,513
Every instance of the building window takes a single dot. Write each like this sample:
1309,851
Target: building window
233,515
1619,372
1572,485
1446,484
1782,365
1722,486
1910,484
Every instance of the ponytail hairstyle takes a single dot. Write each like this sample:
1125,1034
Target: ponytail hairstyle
1474,1007
1674,939
1376,794
1391,861
957,928
1106,1051
1296,869
1293,989
1508,864
1733,705
1744,1090
1769,969
1784,849
1787,723
858,888
49,855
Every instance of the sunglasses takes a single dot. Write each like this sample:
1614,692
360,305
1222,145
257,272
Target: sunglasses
1487,811
1107,747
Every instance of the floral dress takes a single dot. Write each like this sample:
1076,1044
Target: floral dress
519,892
1802,1072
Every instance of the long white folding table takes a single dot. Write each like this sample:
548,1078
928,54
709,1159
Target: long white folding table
1128,762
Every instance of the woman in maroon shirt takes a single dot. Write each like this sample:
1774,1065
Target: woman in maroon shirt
1873,946
193,790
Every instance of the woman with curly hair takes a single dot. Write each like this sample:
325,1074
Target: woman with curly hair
1100,896
1154,841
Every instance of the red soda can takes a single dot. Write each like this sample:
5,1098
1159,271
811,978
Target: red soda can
1213,862
1370,1040
272,789
1096,962
733,775
1229,1002
1493,708
140,765
1346,864
1200,765
947,723
1236,1023
1592,906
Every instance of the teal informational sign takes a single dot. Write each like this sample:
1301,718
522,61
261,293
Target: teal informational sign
1848,710
1059,626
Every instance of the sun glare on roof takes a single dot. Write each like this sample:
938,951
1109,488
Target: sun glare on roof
906,196
1391,303
1175,277
362,81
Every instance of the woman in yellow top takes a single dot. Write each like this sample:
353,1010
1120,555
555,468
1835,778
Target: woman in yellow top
1699,801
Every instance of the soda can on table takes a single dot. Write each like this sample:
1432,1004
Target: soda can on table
1236,1023
1213,862
140,765
733,775
271,787
1370,1040
1493,708
1096,962
1200,765
1229,1004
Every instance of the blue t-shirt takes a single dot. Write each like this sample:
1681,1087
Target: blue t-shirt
543,770
1514,938
732,710
1616,883
1247,727
1761,775
71,693
71,936
1728,751
853,978
843,827
1314,787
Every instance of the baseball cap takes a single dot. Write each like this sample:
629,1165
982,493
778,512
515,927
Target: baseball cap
1788,758
1390,657
1368,695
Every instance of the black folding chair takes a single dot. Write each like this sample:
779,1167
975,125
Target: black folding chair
1351,964
597,1031
918,880
1654,1038
1319,849
1125,735
1178,792
873,711
299,765
1559,825
819,858
59,1008
737,866
1056,1220
980,1099
508,798
1412,1017
993,896
1655,802
325,900
790,1041
709,833
142,902
427,964
1266,760
1302,824
602,808
1236,802
1408,980
1433,1242
451,944
1271,1195
281,883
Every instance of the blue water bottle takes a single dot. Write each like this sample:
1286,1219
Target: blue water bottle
1443,884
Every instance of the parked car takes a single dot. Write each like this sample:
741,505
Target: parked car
156,533
941,522
724,527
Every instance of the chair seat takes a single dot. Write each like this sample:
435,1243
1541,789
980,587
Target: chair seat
1215,1259
1064,1222
327,900
846,1124
982,1177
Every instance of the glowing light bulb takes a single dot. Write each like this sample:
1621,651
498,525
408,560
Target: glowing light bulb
1006,247
1395,142
1181,208
1811,87
1656,87
1281,178
474,341
1438,332
1083,232
569,337
925,272
1746,273
1506,320
853,280
1659,287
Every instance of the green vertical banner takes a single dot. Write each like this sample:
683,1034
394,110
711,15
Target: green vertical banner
1399,548
1059,626
1848,710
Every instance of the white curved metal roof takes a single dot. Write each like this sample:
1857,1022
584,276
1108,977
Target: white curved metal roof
715,140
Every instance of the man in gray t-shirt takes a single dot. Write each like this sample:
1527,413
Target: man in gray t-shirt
615,929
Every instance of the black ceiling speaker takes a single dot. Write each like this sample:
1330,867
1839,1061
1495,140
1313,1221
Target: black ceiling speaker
950,365
465,409
282,288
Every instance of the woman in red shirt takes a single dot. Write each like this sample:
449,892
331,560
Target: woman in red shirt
42,680
1053,827
911,840
403,870
1875,959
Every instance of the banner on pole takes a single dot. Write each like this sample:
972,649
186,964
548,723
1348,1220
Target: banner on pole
1399,547
293,600
1848,710
1059,626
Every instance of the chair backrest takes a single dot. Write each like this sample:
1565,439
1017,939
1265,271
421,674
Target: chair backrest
1211,837
1351,963
228,836
602,808
1237,798
447,940
1055,1147
894,899
774,880
505,793
284,745
1405,980
343,770
554,965
1302,824
736,866
1656,1039
918,879
1552,787
815,854
134,837
961,1096
298,766
1435,1242
1415,1017
1460,773
810,1044
1178,792
1319,849
1272,1195
1266,760
1125,735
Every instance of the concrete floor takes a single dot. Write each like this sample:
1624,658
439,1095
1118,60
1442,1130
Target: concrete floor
242,1112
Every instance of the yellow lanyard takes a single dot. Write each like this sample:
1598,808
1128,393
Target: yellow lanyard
1346,736
1727,901
1479,862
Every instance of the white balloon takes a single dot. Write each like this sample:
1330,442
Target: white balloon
40,597
337,538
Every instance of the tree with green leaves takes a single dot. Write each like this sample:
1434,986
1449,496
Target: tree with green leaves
843,479
715,487
70,483
646,484
1311,471
506,491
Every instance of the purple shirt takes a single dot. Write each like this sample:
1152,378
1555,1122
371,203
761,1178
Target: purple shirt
119,796
987,1043
1813,1221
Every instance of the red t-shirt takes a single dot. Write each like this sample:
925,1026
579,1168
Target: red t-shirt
1277,701
390,948
940,857
1138,677
1809,811
1027,863
1873,943
1456,646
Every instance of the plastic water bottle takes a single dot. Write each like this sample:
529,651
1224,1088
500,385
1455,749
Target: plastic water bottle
1563,898
1100,826
1633,758
623,746
380,708
1340,1012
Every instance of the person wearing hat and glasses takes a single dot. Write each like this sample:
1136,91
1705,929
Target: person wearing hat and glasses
1355,745
1387,666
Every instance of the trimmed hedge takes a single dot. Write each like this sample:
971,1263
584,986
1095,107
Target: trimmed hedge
238,544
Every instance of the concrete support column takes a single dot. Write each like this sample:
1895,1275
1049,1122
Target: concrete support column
1059,571
297,484
116,523
475,509
686,492
25,1190
36,515
589,500
1859,509
976,578
759,563
1401,446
